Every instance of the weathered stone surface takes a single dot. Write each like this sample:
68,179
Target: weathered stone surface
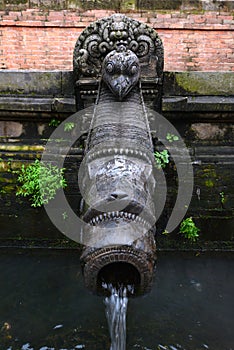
197,106
213,174
61,83
33,83
209,5
159,4
10,129
213,163
67,83
199,83
208,131
105,35
26,104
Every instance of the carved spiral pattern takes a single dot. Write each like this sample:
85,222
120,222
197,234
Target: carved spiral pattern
145,46
105,35
92,45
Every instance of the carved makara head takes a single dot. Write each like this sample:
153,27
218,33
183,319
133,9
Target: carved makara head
121,71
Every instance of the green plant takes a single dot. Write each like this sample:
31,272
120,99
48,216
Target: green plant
40,182
171,137
54,122
161,158
222,197
64,215
189,230
69,126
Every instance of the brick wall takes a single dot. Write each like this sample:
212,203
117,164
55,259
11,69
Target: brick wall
44,40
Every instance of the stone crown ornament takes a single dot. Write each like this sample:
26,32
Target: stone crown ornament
108,34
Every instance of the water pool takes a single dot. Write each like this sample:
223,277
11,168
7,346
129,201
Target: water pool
44,304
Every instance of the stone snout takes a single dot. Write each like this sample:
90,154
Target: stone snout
121,72
119,235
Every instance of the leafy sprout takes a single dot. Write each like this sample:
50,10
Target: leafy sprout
54,122
222,197
161,159
171,137
189,230
40,182
69,126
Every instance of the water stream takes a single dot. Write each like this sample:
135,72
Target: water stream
116,312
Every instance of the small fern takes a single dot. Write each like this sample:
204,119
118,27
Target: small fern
40,182
69,126
189,230
161,159
54,122
171,137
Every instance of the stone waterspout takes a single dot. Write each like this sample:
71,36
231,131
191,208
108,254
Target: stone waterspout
119,63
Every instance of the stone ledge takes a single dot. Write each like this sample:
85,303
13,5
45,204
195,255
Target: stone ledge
198,104
60,83
198,83
67,105
36,83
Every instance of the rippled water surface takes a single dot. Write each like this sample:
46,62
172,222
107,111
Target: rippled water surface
44,304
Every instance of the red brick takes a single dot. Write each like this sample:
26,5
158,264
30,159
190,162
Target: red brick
30,23
200,19
226,17
33,43
179,15
7,22
163,15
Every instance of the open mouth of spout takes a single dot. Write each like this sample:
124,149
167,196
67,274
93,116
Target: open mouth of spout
118,274
120,248
120,266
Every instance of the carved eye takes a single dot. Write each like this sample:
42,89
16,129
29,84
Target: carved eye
134,69
109,67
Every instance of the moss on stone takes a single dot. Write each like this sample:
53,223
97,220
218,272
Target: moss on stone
16,2
129,5
209,183
210,83
8,189
209,175
20,148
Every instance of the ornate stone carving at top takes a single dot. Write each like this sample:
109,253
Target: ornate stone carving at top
105,35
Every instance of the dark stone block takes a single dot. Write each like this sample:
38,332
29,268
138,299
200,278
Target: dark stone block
216,229
159,4
25,104
67,83
198,83
198,104
64,105
30,83
38,225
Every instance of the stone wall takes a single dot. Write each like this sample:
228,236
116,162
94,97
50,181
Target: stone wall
37,39
198,104
44,39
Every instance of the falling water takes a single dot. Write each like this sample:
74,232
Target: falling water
116,311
